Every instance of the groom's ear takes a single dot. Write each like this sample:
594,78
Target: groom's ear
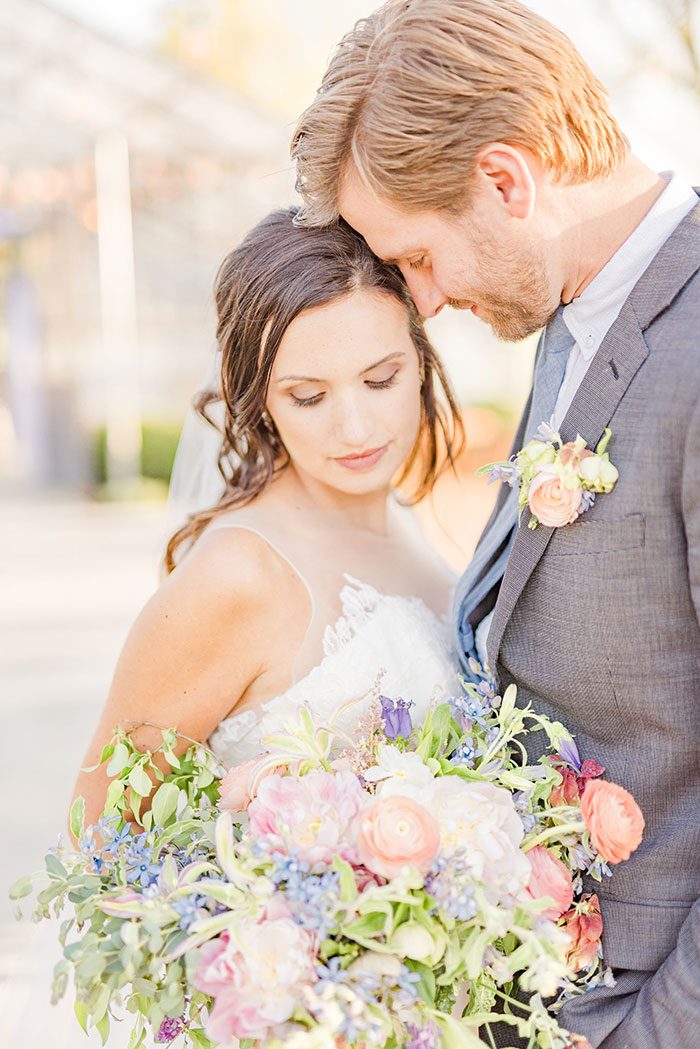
504,171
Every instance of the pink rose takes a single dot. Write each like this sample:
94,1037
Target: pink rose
258,981
553,504
312,816
549,878
235,787
395,832
584,926
614,819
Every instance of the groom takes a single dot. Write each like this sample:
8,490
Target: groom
468,142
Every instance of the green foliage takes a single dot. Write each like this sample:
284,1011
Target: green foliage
158,446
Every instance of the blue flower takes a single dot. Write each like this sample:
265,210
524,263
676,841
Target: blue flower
190,909
451,885
466,753
396,718
587,500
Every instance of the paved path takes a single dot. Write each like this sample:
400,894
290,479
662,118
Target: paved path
73,574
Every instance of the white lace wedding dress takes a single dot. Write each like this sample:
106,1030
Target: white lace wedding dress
381,630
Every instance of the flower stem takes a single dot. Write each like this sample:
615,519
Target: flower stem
553,832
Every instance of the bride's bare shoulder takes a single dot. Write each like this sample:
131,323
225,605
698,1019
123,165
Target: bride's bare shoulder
236,562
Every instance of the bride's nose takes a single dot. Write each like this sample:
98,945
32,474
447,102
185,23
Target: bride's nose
354,423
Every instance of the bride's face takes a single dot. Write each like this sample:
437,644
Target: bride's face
345,392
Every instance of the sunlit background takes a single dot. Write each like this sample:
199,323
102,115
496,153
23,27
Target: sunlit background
138,141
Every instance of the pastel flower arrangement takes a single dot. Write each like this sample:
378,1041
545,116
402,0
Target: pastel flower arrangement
557,481
406,887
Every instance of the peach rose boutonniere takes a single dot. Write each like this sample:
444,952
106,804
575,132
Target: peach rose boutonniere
558,480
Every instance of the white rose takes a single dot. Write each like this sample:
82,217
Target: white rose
398,772
378,965
599,473
535,454
412,940
480,818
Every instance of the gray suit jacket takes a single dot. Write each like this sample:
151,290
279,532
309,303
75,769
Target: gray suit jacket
597,623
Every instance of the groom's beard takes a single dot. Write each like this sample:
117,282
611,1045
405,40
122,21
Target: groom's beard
526,305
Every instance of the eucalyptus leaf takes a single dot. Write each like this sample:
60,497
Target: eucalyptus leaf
139,781
119,760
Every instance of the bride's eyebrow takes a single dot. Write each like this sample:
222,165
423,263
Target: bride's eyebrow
369,368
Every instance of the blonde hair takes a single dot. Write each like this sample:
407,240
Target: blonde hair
416,90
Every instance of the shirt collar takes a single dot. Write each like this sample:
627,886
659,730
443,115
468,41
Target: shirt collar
590,316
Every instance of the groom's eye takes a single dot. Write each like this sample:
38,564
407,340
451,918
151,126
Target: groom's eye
418,263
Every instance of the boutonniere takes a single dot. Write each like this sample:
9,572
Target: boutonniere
558,482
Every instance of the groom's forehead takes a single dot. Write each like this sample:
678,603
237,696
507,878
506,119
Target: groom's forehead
391,234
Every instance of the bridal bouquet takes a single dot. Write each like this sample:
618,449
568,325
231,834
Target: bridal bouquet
406,887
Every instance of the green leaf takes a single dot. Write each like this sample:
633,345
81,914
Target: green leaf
348,885
164,803
21,888
119,761
54,866
139,781
200,1040
81,1015
77,818
103,1028
456,1034
115,792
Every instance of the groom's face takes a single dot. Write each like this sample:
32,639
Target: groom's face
476,260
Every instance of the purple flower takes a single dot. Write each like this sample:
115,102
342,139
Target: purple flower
396,719
170,1028
506,472
568,752
422,1037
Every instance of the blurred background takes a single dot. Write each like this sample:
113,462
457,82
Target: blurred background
138,142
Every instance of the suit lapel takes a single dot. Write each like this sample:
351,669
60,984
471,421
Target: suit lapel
619,358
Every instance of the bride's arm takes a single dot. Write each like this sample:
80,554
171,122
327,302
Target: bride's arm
193,651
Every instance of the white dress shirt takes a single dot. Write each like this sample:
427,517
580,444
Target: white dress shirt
590,316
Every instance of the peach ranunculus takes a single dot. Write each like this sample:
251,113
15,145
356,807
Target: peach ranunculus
614,819
583,925
396,832
550,878
551,501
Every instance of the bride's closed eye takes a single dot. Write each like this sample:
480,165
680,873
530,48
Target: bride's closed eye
373,384
382,384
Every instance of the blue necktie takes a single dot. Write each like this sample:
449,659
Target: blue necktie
489,562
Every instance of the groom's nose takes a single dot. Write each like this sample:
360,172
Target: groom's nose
425,293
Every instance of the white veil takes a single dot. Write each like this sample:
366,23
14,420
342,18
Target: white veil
195,481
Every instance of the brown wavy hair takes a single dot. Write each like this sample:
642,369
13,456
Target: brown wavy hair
275,274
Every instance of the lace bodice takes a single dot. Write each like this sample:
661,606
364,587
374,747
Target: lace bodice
398,636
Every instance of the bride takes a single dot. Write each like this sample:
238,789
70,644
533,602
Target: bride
309,576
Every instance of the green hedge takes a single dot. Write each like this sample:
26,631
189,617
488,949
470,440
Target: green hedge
158,447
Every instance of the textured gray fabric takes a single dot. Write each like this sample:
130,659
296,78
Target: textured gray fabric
597,623
488,564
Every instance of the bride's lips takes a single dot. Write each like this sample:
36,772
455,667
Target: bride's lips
363,460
